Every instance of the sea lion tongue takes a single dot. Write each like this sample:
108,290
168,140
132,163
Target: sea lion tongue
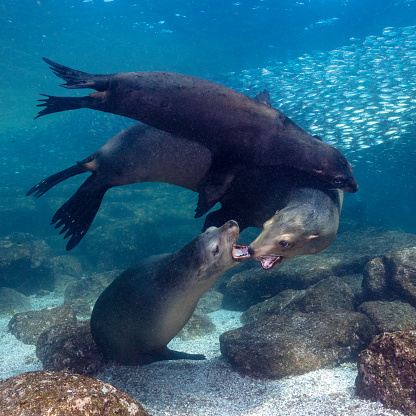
268,262
240,253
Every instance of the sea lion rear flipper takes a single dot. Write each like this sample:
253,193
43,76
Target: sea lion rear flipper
78,213
51,181
178,355
57,104
78,79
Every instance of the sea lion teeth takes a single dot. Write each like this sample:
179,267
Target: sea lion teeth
240,252
270,261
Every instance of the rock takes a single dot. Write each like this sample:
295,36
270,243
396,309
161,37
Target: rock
210,302
12,301
22,264
401,273
347,255
387,371
89,288
390,316
327,295
392,276
64,394
374,280
81,307
281,346
69,347
122,243
27,326
65,270
354,281
197,327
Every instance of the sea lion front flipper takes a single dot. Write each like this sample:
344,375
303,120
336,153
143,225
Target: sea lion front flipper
212,188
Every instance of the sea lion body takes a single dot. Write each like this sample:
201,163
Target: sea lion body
240,131
136,316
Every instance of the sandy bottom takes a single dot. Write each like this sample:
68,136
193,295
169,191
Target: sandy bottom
210,387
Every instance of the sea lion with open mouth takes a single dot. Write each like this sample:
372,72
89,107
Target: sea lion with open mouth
136,317
307,223
240,131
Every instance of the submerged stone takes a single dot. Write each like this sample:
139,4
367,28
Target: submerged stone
327,295
387,371
27,326
280,346
64,394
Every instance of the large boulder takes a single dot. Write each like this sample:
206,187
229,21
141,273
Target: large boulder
392,276
65,270
70,347
347,255
390,316
27,326
23,263
12,302
64,394
281,346
327,295
387,371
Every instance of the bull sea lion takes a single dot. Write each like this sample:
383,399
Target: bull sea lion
240,131
136,316
306,222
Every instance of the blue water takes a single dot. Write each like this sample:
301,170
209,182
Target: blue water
209,39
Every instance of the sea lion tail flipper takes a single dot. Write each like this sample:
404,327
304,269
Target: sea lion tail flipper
56,104
51,181
78,79
78,213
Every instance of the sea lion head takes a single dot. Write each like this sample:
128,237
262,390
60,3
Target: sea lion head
338,172
290,232
212,251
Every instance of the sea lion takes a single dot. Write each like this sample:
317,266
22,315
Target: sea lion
137,154
305,223
143,154
136,316
240,131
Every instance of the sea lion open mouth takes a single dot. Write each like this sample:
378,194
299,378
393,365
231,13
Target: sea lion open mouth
268,262
240,253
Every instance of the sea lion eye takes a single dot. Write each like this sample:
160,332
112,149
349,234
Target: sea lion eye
339,181
217,250
284,243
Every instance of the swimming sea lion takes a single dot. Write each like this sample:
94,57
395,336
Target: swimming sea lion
240,131
305,223
137,154
136,316
144,154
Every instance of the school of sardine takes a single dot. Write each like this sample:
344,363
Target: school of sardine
353,97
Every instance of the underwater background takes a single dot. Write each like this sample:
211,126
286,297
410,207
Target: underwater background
344,70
